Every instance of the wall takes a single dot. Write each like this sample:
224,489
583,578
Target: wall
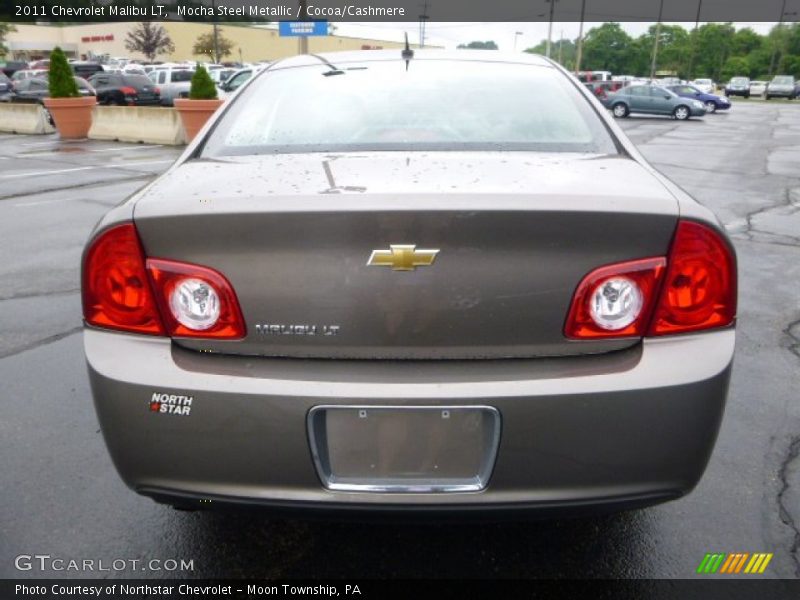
256,43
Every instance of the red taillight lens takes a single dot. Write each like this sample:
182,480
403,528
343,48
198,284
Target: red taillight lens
195,301
128,91
116,290
699,289
123,290
693,289
616,300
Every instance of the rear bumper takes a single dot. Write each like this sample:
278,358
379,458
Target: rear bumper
624,429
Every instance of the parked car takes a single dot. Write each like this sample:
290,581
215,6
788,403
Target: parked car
712,102
10,67
738,86
758,88
781,86
36,89
602,89
704,85
173,82
5,87
237,78
26,74
125,90
653,100
464,329
40,65
86,69
220,76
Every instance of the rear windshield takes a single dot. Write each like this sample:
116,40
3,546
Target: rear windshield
137,80
783,80
434,105
182,75
739,80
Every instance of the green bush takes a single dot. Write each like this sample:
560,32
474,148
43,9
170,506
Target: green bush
61,81
203,87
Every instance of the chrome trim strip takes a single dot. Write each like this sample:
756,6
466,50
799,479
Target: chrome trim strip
474,484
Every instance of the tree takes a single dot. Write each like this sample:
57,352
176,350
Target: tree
608,48
736,66
490,45
61,82
714,45
149,39
202,87
566,49
673,49
5,29
204,45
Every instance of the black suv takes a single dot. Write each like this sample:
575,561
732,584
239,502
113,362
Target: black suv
125,90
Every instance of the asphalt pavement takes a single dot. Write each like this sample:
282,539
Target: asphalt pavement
60,495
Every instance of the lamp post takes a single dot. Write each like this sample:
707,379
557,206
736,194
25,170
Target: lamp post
550,25
516,35
579,54
216,33
694,40
655,43
780,34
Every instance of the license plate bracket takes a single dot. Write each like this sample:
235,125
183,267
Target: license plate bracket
422,449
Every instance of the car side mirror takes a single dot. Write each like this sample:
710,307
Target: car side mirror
667,97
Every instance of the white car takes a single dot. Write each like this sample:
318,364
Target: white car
757,88
235,80
704,85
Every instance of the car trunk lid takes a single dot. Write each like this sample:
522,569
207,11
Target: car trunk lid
514,233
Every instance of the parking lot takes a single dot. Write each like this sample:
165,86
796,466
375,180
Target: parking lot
61,496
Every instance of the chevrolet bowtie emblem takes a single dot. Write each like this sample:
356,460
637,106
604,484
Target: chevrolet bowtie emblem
402,257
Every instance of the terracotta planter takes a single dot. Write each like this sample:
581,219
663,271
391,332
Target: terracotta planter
72,116
195,113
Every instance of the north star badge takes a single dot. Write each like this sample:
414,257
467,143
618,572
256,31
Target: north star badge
171,404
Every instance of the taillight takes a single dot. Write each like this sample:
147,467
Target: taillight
157,91
124,290
116,289
128,91
616,300
699,290
694,288
195,301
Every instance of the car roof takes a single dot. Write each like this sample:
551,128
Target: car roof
352,56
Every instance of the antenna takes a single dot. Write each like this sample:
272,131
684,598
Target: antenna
407,52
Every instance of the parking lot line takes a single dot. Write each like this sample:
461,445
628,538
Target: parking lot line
58,171
36,154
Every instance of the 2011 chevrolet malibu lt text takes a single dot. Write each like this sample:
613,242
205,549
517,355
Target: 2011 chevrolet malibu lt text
410,281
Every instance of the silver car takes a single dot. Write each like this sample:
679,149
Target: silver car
453,285
781,86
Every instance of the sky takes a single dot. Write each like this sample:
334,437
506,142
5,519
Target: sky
450,35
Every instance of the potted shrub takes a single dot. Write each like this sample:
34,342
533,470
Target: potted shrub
201,103
71,112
